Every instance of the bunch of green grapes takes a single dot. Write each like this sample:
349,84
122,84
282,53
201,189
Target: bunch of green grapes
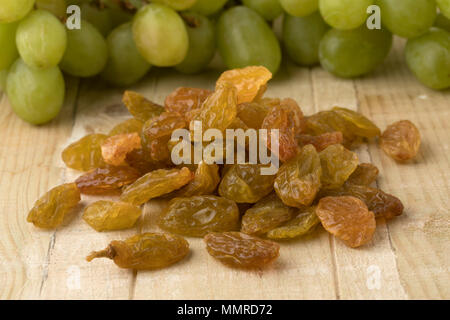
120,40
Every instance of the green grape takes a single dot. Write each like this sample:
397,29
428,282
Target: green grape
301,37
202,43
41,39
118,15
98,17
352,53
35,95
442,22
178,5
14,10
245,39
268,9
3,76
208,7
444,6
160,35
407,18
299,8
344,14
57,7
428,57
8,51
125,64
87,52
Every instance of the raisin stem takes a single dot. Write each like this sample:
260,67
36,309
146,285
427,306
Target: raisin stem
109,253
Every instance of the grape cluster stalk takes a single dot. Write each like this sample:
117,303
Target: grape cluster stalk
120,41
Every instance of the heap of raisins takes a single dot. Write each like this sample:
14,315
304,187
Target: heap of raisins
236,209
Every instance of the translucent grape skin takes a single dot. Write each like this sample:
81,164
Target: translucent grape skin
160,35
299,8
442,22
407,18
14,10
208,7
344,14
301,37
444,7
35,95
125,64
202,43
268,9
428,57
41,39
100,18
87,52
245,39
352,53
8,52
56,7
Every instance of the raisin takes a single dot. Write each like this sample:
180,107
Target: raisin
298,180
127,126
106,180
240,250
196,216
184,100
116,148
155,184
245,183
253,113
206,179
141,108
138,160
145,251
338,164
265,215
248,81
304,223
108,215
364,175
401,140
348,218
322,141
358,123
380,203
86,153
219,109
49,211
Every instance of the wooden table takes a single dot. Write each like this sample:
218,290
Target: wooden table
408,258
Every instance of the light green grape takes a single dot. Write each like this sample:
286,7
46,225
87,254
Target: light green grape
301,37
299,8
208,7
3,76
178,5
407,18
444,6
117,14
35,95
14,10
202,43
98,17
245,39
57,7
87,52
8,51
352,53
442,22
344,14
428,57
41,39
268,9
125,64
160,35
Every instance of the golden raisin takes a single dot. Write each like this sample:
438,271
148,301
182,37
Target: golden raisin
303,224
401,140
116,148
108,215
184,100
86,153
322,141
141,108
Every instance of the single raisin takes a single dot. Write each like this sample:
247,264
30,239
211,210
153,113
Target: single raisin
184,100
304,223
206,180
116,148
86,153
108,215
401,140
127,126
358,123
338,164
364,175
141,108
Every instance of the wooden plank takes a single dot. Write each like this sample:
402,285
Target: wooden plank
421,237
369,272
304,269
27,163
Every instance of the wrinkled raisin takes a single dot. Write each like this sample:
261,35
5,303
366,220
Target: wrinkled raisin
108,215
304,223
86,153
116,148
141,108
401,140
338,164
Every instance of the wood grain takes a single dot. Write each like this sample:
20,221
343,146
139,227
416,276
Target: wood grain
407,259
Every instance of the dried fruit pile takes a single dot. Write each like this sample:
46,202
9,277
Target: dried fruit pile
237,209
